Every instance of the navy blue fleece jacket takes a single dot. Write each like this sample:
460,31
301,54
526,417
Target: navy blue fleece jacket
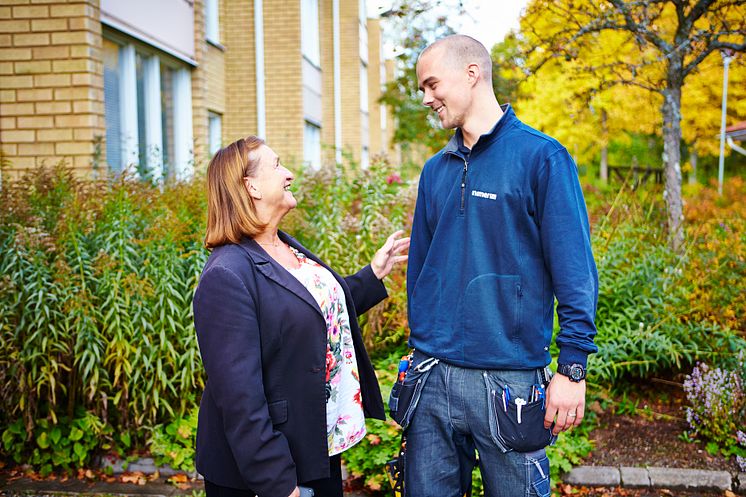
499,231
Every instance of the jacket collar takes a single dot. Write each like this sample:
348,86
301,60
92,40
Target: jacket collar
457,139
276,272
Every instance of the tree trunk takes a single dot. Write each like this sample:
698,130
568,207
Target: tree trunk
672,156
693,160
605,147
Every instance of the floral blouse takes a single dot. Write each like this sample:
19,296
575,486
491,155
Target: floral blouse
345,421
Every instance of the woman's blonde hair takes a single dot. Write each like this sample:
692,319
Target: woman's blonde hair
231,213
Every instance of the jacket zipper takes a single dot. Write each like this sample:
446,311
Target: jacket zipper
463,185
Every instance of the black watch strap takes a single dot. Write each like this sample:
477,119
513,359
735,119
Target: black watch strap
576,372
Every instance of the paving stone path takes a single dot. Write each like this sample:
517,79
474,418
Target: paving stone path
603,476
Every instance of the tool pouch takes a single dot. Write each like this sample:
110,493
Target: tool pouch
528,435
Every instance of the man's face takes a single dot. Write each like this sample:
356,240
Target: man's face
447,90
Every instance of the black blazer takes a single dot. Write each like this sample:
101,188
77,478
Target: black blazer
263,339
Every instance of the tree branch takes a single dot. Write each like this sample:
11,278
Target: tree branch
638,29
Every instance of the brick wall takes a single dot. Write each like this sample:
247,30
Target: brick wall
326,41
51,83
239,119
374,87
283,79
215,70
392,148
350,66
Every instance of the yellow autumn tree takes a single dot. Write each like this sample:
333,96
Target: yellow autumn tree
663,44
580,107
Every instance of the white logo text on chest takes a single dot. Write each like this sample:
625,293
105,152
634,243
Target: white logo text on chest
487,195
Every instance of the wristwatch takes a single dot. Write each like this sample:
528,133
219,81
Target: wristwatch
576,372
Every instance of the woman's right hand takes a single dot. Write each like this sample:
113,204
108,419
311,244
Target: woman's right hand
385,258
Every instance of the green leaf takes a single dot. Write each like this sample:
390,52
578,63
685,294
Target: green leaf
42,440
79,451
75,434
55,435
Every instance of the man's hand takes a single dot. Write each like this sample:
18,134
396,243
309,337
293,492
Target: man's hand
295,493
565,402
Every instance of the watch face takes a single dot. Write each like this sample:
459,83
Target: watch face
576,373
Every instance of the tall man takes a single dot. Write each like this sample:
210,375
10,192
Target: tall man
500,229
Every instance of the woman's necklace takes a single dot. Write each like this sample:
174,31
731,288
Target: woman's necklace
275,243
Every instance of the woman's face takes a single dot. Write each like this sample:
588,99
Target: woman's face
270,186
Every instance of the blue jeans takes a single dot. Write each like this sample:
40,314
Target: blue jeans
454,418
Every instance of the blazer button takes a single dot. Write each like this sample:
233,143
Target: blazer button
315,370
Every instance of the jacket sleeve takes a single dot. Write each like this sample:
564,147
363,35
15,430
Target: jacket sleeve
566,243
225,318
421,237
366,289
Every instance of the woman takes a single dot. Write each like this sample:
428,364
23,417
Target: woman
288,379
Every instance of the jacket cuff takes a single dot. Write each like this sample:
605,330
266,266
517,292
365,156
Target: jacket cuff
572,355
282,489
376,285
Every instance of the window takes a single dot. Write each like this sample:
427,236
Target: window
309,40
312,146
212,21
147,110
214,124
111,105
363,87
365,158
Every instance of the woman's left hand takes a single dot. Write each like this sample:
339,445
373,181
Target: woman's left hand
385,258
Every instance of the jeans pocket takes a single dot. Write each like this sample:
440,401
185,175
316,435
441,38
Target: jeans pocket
526,434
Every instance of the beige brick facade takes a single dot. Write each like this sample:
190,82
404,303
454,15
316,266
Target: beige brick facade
52,101
350,61
377,145
240,117
52,88
283,79
326,42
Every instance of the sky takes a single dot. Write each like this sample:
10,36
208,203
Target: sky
486,20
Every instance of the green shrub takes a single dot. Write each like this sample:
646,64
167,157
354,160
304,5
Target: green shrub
64,445
95,294
174,443
643,299
344,215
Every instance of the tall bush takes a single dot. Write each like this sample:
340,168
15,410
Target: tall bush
344,215
95,294
644,320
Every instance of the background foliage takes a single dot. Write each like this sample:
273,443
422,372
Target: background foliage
95,304
98,351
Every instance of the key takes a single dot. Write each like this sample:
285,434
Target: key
519,403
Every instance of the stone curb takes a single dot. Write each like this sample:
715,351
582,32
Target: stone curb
674,478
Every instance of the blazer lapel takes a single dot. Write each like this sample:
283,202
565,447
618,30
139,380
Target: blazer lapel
274,271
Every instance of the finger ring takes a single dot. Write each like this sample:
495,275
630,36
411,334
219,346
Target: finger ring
571,414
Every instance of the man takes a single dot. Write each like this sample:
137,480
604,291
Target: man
500,229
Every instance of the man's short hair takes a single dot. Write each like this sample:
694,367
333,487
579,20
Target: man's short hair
461,50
